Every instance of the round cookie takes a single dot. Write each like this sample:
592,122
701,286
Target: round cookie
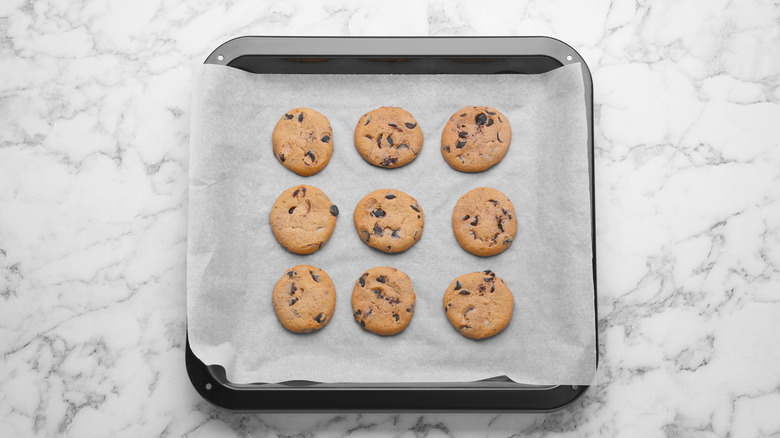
388,137
383,301
484,222
475,138
303,141
304,299
303,218
389,220
478,305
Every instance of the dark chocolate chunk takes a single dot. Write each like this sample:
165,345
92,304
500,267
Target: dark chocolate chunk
320,318
508,240
388,247
500,225
415,207
295,193
293,301
446,148
378,292
366,234
490,112
389,196
493,201
300,117
362,324
378,213
381,279
289,116
325,138
492,288
463,134
410,125
480,119
475,221
408,310
379,140
334,210
457,285
291,210
292,289
390,140
498,137
489,122
389,161
311,156
463,115
393,125
358,312
465,292
395,316
499,120
378,230
281,157
290,274
314,276
482,287
362,281
461,144
465,218
395,234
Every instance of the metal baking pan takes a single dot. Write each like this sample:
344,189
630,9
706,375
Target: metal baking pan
404,55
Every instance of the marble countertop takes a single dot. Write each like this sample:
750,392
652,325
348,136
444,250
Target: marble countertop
94,122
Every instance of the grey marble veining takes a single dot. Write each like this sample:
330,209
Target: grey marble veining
94,101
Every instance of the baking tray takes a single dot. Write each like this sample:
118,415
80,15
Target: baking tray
396,55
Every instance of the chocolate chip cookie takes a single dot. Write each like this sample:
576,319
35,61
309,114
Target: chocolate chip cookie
388,137
303,141
478,305
303,218
484,221
476,138
383,301
389,220
304,299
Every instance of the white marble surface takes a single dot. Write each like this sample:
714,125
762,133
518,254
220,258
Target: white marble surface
94,99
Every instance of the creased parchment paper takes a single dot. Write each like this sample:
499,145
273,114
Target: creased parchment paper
233,260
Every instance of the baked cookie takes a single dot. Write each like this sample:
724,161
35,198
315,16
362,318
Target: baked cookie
388,137
484,221
476,138
389,220
383,301
303,218
304,299
303,141
478,305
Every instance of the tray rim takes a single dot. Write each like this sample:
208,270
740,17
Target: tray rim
210,380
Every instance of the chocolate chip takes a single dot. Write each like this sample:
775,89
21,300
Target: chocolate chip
415,207
362,281
463,134
498,137
378,213
489,272
493,201
395,234
489,122
291,210
378,230
292,289
410,125
493,289
300,117
390,140
366,234
388,247
311,156
446,148
293,301
461,144
393,125
358,312
465,218
362,324
314,276
368,120
500,225
378,292
508,240
325,138
281,157
320,318
389,196
379,140
465,292
290,274
389,161
334,210
288,116
295,193
381,279
490,112
475,221
457,285
480,119
482,288
408,310
499,120
395,316
463,115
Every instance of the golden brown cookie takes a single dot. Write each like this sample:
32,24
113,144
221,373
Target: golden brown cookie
383,301
389,220
476,138
484,221
303,141
303,218
388,137
478,305
304,299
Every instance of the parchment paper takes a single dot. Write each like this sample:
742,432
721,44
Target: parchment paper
234,261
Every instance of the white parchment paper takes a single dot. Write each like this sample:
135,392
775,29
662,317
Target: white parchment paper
233,260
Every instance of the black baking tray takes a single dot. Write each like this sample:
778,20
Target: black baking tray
396,55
